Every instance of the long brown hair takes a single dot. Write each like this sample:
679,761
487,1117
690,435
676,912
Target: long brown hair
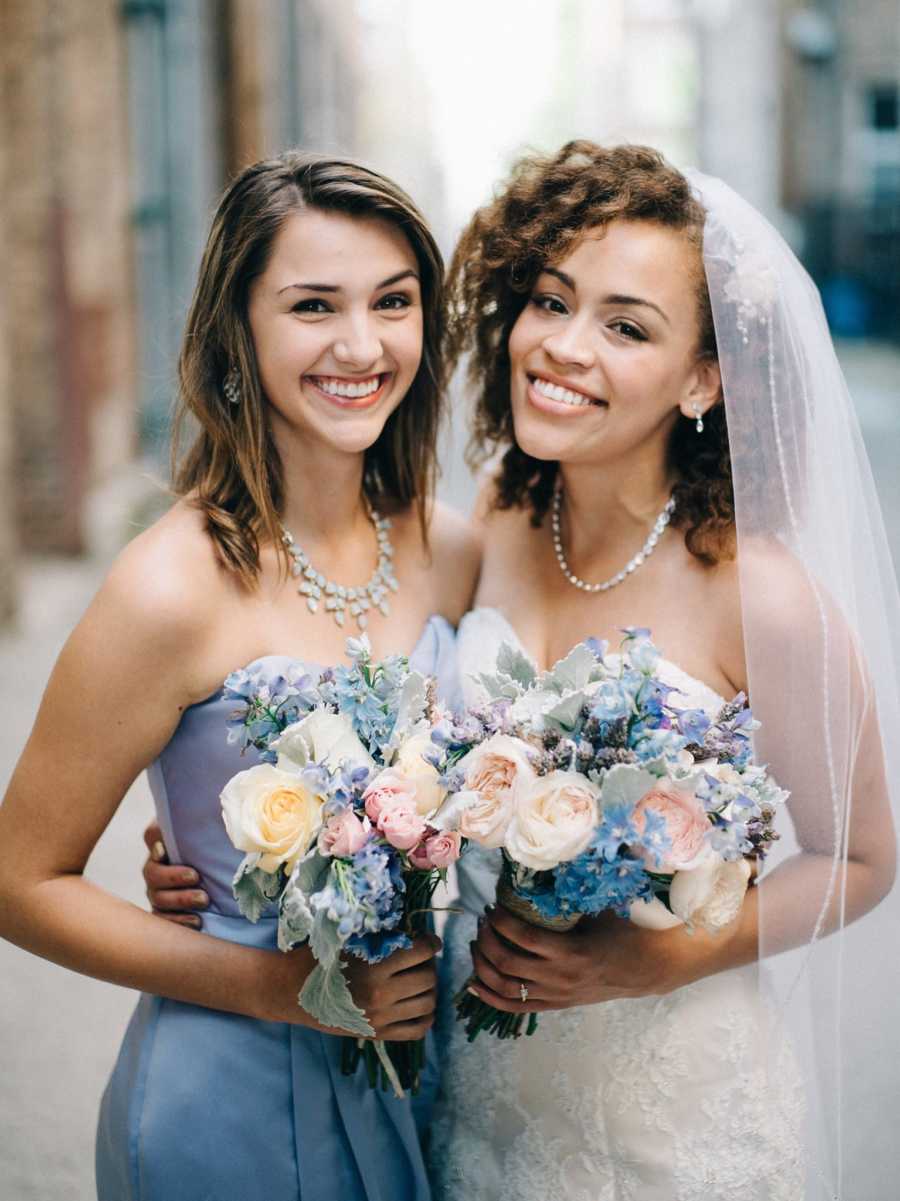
545,207
232,467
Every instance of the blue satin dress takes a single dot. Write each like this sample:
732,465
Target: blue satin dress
211,1106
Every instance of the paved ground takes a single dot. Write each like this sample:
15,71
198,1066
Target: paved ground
58,1031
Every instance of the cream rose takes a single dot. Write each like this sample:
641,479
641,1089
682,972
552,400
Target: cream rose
321,737
271,813
425,776
553,820
712,894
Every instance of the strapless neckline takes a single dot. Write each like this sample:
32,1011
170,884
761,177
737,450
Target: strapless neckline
673,674
435,619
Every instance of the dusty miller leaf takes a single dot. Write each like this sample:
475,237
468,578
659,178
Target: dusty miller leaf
326,997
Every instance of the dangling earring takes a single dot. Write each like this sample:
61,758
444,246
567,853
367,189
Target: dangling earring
232,386
698,413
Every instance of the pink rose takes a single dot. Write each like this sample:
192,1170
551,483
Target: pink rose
686,826
344,834
389,788
438,850
401,825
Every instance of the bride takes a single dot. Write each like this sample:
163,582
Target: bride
659,468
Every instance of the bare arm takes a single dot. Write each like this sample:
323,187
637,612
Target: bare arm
115,697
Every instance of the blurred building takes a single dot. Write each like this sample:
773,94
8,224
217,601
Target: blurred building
841,155
120,122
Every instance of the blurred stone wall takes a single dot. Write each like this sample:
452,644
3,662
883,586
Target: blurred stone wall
69,308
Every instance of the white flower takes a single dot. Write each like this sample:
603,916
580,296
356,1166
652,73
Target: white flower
423,775
493,772
553,819
271,813
653,915
323,738
710,895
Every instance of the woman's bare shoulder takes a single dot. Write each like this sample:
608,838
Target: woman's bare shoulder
455,544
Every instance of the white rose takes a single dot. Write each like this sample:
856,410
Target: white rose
323,738
425,776
710,895
653,915
493,772
271,813
553,820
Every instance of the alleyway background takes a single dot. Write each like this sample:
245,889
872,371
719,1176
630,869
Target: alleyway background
120,120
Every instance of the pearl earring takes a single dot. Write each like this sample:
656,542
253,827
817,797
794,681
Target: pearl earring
232,386
698,413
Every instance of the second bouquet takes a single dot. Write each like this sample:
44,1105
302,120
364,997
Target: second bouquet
335,823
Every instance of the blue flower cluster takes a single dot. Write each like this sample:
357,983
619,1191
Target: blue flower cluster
366,899
269,700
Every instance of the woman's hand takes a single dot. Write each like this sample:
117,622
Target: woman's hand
601,959
398,995
171,888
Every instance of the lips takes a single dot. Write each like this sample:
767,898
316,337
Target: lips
556,396
350,393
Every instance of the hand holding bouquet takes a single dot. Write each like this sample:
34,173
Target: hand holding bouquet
336,826
605,794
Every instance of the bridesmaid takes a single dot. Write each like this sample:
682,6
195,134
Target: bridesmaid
311,375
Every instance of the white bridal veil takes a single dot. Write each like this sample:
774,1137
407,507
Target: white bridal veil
821,620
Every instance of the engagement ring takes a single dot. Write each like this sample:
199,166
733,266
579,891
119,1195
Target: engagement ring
523,992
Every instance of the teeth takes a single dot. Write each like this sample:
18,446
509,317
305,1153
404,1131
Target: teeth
564,395
347,390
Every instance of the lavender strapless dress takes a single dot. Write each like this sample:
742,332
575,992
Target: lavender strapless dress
211,1106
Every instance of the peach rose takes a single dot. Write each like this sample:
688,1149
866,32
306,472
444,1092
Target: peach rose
493,771
686,825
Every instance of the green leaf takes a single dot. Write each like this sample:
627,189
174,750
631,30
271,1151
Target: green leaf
626,783
253,888
295,917
566,712
324,940
326,997
574,671
515,664
498,686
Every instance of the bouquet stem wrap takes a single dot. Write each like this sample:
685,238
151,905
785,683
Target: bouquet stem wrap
479,1015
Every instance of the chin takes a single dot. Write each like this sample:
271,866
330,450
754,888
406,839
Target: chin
542,439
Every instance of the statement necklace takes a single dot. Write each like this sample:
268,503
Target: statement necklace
633,564
338,599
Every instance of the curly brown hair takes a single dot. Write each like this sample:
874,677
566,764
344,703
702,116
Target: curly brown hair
231,468
543,210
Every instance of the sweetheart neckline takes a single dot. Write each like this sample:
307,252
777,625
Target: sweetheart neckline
686,676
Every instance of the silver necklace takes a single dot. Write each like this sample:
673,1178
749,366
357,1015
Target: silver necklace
633,564
339,599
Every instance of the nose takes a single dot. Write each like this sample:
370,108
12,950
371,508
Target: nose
357,345
571,345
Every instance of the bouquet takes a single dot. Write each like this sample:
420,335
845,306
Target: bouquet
335,825
604,794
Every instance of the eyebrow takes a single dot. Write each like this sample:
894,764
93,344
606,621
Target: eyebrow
613,298
385,283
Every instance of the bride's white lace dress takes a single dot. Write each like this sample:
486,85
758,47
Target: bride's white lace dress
655,1099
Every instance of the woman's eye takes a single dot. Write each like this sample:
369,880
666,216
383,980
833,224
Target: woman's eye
627,330
396,301
549,304
311,306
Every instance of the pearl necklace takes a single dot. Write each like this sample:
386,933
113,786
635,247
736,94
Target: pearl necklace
338,598
646,550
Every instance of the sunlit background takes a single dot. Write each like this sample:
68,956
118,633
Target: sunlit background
121,121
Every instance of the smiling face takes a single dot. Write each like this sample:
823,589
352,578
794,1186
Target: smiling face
604,355
336,322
